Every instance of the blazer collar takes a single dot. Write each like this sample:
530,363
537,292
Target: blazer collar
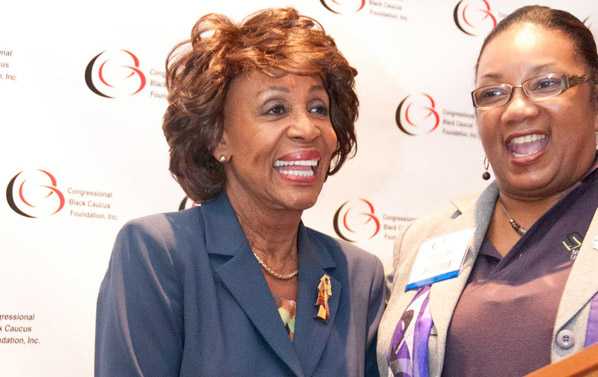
445,294
223,232
242,276
582,284
312,334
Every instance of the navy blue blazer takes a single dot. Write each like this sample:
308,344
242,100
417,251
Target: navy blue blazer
184,296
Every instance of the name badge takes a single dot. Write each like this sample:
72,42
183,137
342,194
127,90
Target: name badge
439,258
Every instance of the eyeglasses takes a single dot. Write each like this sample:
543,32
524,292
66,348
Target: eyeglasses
536,88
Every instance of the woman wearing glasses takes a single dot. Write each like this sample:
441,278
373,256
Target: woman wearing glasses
508,283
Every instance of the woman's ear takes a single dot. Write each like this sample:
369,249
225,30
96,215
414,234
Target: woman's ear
222,151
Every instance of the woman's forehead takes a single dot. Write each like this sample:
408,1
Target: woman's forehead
528,48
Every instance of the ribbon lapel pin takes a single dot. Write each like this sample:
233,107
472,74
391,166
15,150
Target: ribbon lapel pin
324,293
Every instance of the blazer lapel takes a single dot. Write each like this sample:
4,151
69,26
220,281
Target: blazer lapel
445,294
311,333
582,284
242,276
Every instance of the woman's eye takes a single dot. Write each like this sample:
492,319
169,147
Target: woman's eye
492,92
319,109
277,109
546,83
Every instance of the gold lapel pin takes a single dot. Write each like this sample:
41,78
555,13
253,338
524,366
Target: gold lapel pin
324,293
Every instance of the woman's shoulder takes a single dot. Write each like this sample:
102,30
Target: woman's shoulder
452,214
162,230
181,216
344,251
455,216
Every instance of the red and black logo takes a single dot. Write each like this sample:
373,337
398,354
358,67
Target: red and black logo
343,6
474,17
34,194
417,115
356,221
115,74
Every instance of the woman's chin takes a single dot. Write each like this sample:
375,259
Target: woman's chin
300,203
530,185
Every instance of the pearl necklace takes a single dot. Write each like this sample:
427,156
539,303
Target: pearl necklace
514,224
270,271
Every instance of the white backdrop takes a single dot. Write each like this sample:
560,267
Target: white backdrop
83,151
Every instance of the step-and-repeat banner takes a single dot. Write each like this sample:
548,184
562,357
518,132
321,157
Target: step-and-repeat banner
81,101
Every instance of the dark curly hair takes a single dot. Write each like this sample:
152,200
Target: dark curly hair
200,70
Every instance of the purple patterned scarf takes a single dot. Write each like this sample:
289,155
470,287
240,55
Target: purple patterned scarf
592,328
409,346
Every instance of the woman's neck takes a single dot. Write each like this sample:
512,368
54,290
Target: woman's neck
516,216
526,211
272,233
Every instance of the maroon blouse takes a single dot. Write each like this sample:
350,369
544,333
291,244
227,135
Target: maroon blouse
502,325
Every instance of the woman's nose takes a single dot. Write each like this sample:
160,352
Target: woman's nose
304,127
519,107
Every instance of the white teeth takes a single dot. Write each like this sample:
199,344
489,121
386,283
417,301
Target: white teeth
519,155
280,163
527,139
300,173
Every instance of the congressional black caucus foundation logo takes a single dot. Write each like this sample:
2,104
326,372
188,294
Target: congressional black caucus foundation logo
34,194
343,6
417,114
356,220
474,17
113,74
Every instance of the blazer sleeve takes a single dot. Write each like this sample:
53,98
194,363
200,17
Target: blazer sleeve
375,309
139,317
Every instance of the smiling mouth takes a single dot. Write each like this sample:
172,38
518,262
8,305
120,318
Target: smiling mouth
527,145
297,168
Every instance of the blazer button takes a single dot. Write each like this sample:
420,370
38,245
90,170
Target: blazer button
565,339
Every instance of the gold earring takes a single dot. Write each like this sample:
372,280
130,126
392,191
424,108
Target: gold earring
222,158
